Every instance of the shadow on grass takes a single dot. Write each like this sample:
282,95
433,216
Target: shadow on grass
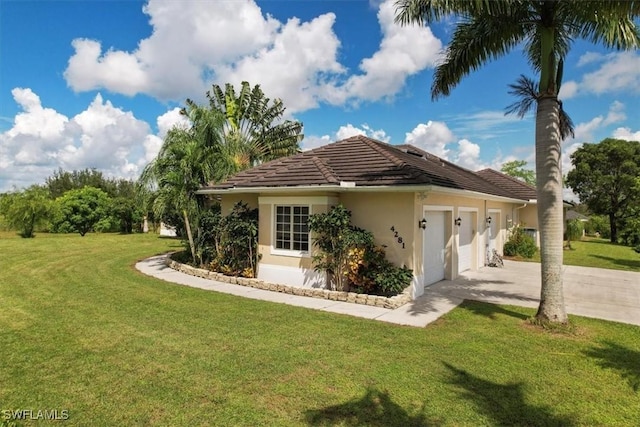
375,408
490,310
504,404
634,264
621,359
452,293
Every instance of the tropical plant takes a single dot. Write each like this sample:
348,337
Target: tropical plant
189,158
488,30
81,210
336,238
350,257
574,231
230,243
606,177
25,210
254,129
519,243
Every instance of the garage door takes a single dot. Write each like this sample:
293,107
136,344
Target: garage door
493,233
434,247
465,237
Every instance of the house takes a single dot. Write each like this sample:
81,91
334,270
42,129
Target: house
434,217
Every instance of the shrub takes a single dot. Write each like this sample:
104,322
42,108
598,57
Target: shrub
229,244
573,231
520,244
349,255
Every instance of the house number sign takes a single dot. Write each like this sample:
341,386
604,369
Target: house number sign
397,236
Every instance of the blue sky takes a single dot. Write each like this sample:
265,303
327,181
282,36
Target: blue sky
96,84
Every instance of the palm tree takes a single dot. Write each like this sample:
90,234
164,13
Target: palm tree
254,130
490,29
189,158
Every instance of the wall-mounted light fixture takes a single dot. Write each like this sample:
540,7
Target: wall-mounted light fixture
458,221
422,223
488,220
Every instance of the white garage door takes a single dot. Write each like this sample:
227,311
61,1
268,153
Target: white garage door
434,247
465,237
493,233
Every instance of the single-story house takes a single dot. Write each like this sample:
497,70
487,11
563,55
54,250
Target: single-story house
433,216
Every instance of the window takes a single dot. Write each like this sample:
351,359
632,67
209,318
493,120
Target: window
292,228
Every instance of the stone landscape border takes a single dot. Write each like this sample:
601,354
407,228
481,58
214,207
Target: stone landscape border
351,297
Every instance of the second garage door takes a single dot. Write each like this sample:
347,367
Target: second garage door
465,238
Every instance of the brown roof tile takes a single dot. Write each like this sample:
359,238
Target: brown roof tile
519,189
365,162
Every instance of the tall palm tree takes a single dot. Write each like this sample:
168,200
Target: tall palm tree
189,158
546,29
254,130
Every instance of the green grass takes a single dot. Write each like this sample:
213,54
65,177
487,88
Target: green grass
81,330
600,253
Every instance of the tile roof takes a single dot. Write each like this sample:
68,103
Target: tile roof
518,188
365,162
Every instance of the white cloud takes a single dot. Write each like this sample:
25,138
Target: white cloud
619,72
194,44
102,136
626,133
432,137
349,130
468,155
312,141
589,57
403,51
568,90
585,132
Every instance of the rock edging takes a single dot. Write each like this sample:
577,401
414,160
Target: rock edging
352,297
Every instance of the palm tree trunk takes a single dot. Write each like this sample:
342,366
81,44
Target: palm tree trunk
189,235
550,212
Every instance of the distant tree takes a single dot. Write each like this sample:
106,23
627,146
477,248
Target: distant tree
516,169
25,210
605,178
62,181
81,210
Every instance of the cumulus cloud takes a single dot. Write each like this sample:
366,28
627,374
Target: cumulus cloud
432,137
403,51
349,130
194,44
585,132
102,136
616,72
468,155
627,134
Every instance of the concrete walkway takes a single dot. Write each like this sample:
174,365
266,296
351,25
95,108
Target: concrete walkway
591,292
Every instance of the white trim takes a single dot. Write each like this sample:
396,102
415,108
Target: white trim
297,200
340,189
437,208
292,276
287,252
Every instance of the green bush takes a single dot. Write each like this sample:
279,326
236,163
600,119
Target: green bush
349,255
520,244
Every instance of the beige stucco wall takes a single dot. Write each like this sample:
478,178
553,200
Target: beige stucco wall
377,213
227,201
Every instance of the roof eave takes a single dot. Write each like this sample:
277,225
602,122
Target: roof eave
361,188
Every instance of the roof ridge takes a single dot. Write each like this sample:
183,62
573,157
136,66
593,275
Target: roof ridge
377,146
326,170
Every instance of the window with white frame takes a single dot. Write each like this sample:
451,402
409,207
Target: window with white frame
292,228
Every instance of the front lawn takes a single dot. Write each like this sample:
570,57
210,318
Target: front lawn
600,253
82,331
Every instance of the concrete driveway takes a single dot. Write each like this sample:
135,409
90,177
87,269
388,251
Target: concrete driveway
592,292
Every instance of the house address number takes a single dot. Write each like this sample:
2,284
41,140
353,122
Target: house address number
397,236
